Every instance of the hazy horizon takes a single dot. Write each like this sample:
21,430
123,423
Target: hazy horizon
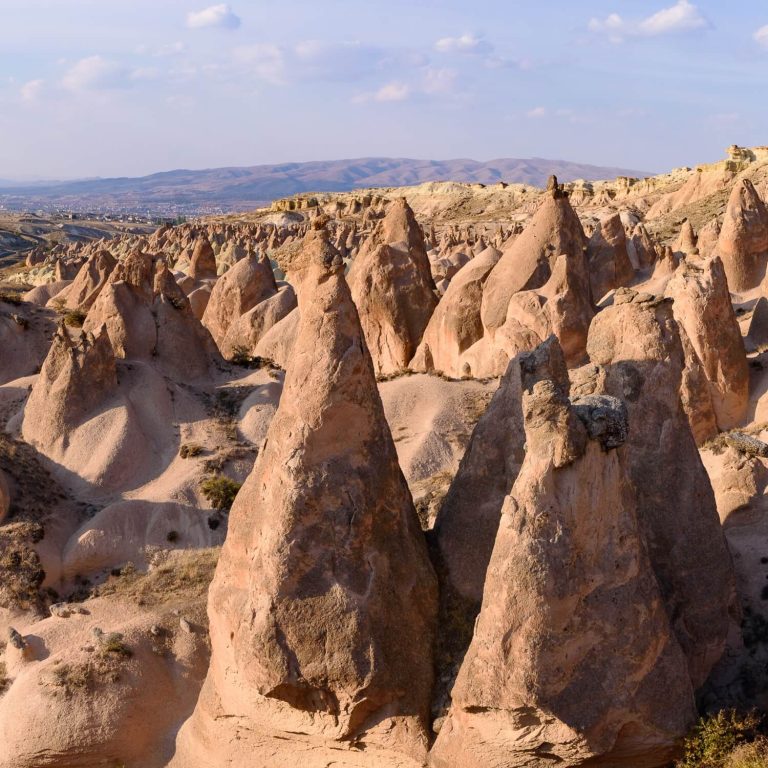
91,89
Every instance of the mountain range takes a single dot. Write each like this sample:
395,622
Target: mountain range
241,187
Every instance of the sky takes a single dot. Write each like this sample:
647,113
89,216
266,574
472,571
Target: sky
130,87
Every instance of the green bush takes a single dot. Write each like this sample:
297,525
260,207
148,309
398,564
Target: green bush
220,491
718,740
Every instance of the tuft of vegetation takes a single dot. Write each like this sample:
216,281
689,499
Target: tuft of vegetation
172,536
74,318
242,357
189,450
180,574
113,644
5,681
10,297
725,740
220,491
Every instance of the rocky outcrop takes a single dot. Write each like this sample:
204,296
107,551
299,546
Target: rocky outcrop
609,263
702,306
88,284
246,332
76,376
743,241
547,678
554,230
757,333
237,291
202,265
455,324
637,341
148,317
325,557
392,286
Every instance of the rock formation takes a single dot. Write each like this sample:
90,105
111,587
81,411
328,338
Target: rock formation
638,343
203,262
76,376
455,324
609,263
238,290
702,306
743,241
393,290
554,230
148,317
569,566
325,556
83,291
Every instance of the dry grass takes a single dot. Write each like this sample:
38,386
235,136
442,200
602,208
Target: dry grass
5,682
728,739
182,575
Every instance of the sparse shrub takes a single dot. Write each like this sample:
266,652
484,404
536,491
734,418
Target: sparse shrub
113,644
242,357
716,741
172,536
220,491
5,682
74,318
754,755
11,298
188,450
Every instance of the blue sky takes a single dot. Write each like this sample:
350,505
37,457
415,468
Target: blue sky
110,87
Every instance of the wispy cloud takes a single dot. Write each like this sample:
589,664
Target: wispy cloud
309,60
761,36
95,73
683,16
466,43
536,112
31,90
395,91
221,16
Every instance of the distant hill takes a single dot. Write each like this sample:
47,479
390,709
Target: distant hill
234,188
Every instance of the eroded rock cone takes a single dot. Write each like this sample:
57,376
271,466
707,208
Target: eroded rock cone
325,557
76,376
555,229
757,335
238,290
392,287
743,241
547,678
569,307
202,265
687,242
149,318
609,263
702,306
455,324
89,282
638,342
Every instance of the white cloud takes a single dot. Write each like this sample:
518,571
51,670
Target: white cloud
220,16
537,112
264,60
395,91
465,43
439,81
31,91
761,36
95,73
683,16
